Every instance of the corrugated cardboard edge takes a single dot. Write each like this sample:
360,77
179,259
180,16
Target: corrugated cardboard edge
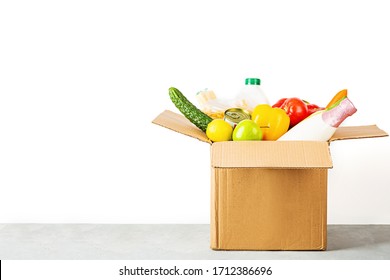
180,124
357,132
324,222
271,154
214,218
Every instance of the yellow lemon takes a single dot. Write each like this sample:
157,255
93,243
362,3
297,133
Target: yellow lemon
219,130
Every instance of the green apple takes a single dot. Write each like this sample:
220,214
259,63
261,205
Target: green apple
247,130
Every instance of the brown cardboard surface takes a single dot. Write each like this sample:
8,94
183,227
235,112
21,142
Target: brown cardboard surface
268,209
355,132
271,154
179,123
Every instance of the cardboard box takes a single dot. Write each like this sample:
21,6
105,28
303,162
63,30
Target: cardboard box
268,195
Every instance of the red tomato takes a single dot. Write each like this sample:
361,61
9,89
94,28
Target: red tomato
279,103
313,108
296,109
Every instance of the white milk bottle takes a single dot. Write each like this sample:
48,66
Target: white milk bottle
250,95
321,125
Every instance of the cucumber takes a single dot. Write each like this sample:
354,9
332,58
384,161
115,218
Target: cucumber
189,110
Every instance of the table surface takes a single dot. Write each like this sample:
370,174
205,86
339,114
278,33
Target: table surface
168,241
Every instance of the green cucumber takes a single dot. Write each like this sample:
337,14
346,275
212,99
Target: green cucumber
189,110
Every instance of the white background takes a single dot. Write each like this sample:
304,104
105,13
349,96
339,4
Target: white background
110,269
81,81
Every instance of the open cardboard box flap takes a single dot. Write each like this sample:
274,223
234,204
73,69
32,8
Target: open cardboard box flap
267,154
179,123
356,132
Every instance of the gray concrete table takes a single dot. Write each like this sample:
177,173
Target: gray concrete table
114,242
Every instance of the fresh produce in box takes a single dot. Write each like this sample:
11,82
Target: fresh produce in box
189,110
313,108
273,122
297,109
288,119
247,130
340,95
322,125
219,130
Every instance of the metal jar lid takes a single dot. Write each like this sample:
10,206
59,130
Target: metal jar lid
234,115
